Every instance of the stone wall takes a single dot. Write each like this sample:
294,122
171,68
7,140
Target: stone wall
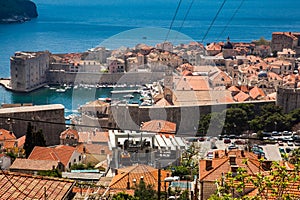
16,120
59,77
186,117
288,99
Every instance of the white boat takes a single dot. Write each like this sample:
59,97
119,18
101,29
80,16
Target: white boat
60,90
52,88
128,96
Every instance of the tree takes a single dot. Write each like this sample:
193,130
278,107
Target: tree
52,173
144,191
236,121
123,196
275,184
33,139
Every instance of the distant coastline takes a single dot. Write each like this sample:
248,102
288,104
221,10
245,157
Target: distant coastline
17,11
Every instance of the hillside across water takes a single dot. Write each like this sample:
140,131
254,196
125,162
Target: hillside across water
12,11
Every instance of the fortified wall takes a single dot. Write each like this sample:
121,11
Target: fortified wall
58,77
288,99
16,119
130,117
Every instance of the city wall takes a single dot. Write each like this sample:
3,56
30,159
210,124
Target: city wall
288,99
186,118
16,119
61,77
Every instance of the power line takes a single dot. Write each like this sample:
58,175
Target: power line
213,21
232,17
76,125
174,17
186,15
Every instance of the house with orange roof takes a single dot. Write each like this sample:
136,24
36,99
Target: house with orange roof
67,155
224,162
220,78
234,90
256,93
282,67
69,137
93,137
213,49
128,178
8,140
34,187
29,166
284,40
159,126
242,97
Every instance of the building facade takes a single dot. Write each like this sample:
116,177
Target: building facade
28,70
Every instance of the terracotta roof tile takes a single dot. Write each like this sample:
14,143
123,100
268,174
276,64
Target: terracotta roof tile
21,141
93,137
233,89
28,164
32,187
60,153
149,174
159,126
256,93
222,165
6,135
69,133
241,97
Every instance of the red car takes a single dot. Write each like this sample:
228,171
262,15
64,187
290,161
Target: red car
227,140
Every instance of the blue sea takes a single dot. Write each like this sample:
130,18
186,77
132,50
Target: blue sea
77,25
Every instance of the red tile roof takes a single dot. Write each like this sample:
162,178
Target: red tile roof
256,93
38,165
149,174
33,187
93,137
159,126
69,133
21,141
6,135
60,153
241,97
222,165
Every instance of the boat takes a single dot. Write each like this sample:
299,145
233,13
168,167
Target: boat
60,90
128,96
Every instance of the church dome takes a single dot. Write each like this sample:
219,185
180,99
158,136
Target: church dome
228,44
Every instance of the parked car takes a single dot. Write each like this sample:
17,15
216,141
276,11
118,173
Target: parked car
227,141
290,143
280,143
239,142
297,143
232,146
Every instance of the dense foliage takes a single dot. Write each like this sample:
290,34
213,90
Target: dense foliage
243,118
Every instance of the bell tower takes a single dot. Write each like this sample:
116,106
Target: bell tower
168,83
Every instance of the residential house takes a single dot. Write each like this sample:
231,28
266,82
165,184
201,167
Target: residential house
224,162
69,137
115,65
159,126
8,140
29,166
67,155
34,187
128,178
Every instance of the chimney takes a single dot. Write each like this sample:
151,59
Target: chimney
259,156
267,164
208,165
216,154
242,153
226,153
232,160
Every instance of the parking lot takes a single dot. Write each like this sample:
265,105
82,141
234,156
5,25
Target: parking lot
269,151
